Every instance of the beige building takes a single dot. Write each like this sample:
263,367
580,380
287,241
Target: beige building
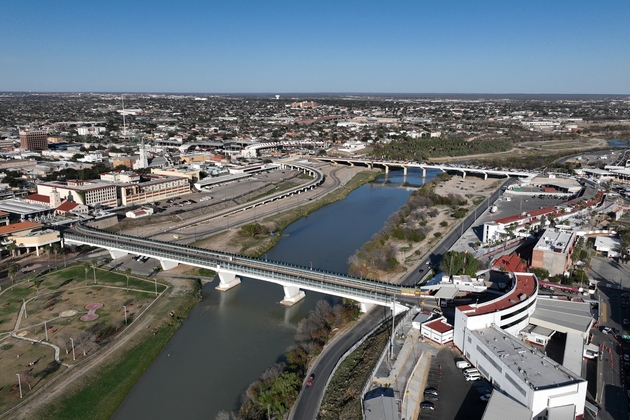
553,251
89,193
29,235
160,187
191,174
120,176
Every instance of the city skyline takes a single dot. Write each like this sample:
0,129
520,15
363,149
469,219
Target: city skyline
326,47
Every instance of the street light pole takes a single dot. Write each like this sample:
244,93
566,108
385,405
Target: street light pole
24,303
73,356
125,311
311,264
46,330
19,384
391,352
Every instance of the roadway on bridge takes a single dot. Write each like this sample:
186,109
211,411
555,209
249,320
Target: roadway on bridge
363,290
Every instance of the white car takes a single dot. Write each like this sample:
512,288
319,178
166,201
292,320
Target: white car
606,330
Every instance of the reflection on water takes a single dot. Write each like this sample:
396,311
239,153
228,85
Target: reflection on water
231,337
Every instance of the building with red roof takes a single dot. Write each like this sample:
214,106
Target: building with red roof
510,263
437,330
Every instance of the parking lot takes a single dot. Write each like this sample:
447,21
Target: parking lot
458,399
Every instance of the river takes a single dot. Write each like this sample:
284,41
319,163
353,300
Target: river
231,337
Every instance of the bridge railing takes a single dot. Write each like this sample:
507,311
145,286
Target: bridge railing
223,257
369,291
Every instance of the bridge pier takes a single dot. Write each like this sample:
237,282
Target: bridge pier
404,171
168,264
386,169
485,176
366,306
292,295
227,281
115,253
464,174
424,172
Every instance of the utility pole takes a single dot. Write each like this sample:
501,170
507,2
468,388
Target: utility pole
19,384
391,351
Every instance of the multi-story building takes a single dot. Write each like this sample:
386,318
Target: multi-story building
534,380
159,187
120,176
89,193
34,139
553,251
486,334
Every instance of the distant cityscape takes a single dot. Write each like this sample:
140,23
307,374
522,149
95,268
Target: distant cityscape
530,245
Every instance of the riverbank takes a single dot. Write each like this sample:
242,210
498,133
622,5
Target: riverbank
233,241
95,389
408,236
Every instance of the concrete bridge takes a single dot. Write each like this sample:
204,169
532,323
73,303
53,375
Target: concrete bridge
294,280
444,168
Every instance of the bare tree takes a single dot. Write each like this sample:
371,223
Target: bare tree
63,338
86,341
28,377
272,372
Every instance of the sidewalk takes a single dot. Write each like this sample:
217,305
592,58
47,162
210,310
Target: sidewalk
415,388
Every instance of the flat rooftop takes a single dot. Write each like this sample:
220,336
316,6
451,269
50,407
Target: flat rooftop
21,207
524,361
555,240
562,315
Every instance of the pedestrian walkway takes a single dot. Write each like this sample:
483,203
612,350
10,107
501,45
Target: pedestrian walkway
408,349
415,388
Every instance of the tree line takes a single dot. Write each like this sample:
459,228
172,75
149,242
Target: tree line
421,149
275,392
408,224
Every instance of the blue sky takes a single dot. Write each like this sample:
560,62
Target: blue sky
277,46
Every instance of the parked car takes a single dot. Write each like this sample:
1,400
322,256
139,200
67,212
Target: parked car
428,405
431,397
431,391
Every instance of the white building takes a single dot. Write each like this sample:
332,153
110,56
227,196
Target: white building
608,246
525,374
90,131
509,312
139,213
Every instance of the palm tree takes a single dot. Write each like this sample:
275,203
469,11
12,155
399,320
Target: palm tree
128,274
86,267
12,271
11,248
